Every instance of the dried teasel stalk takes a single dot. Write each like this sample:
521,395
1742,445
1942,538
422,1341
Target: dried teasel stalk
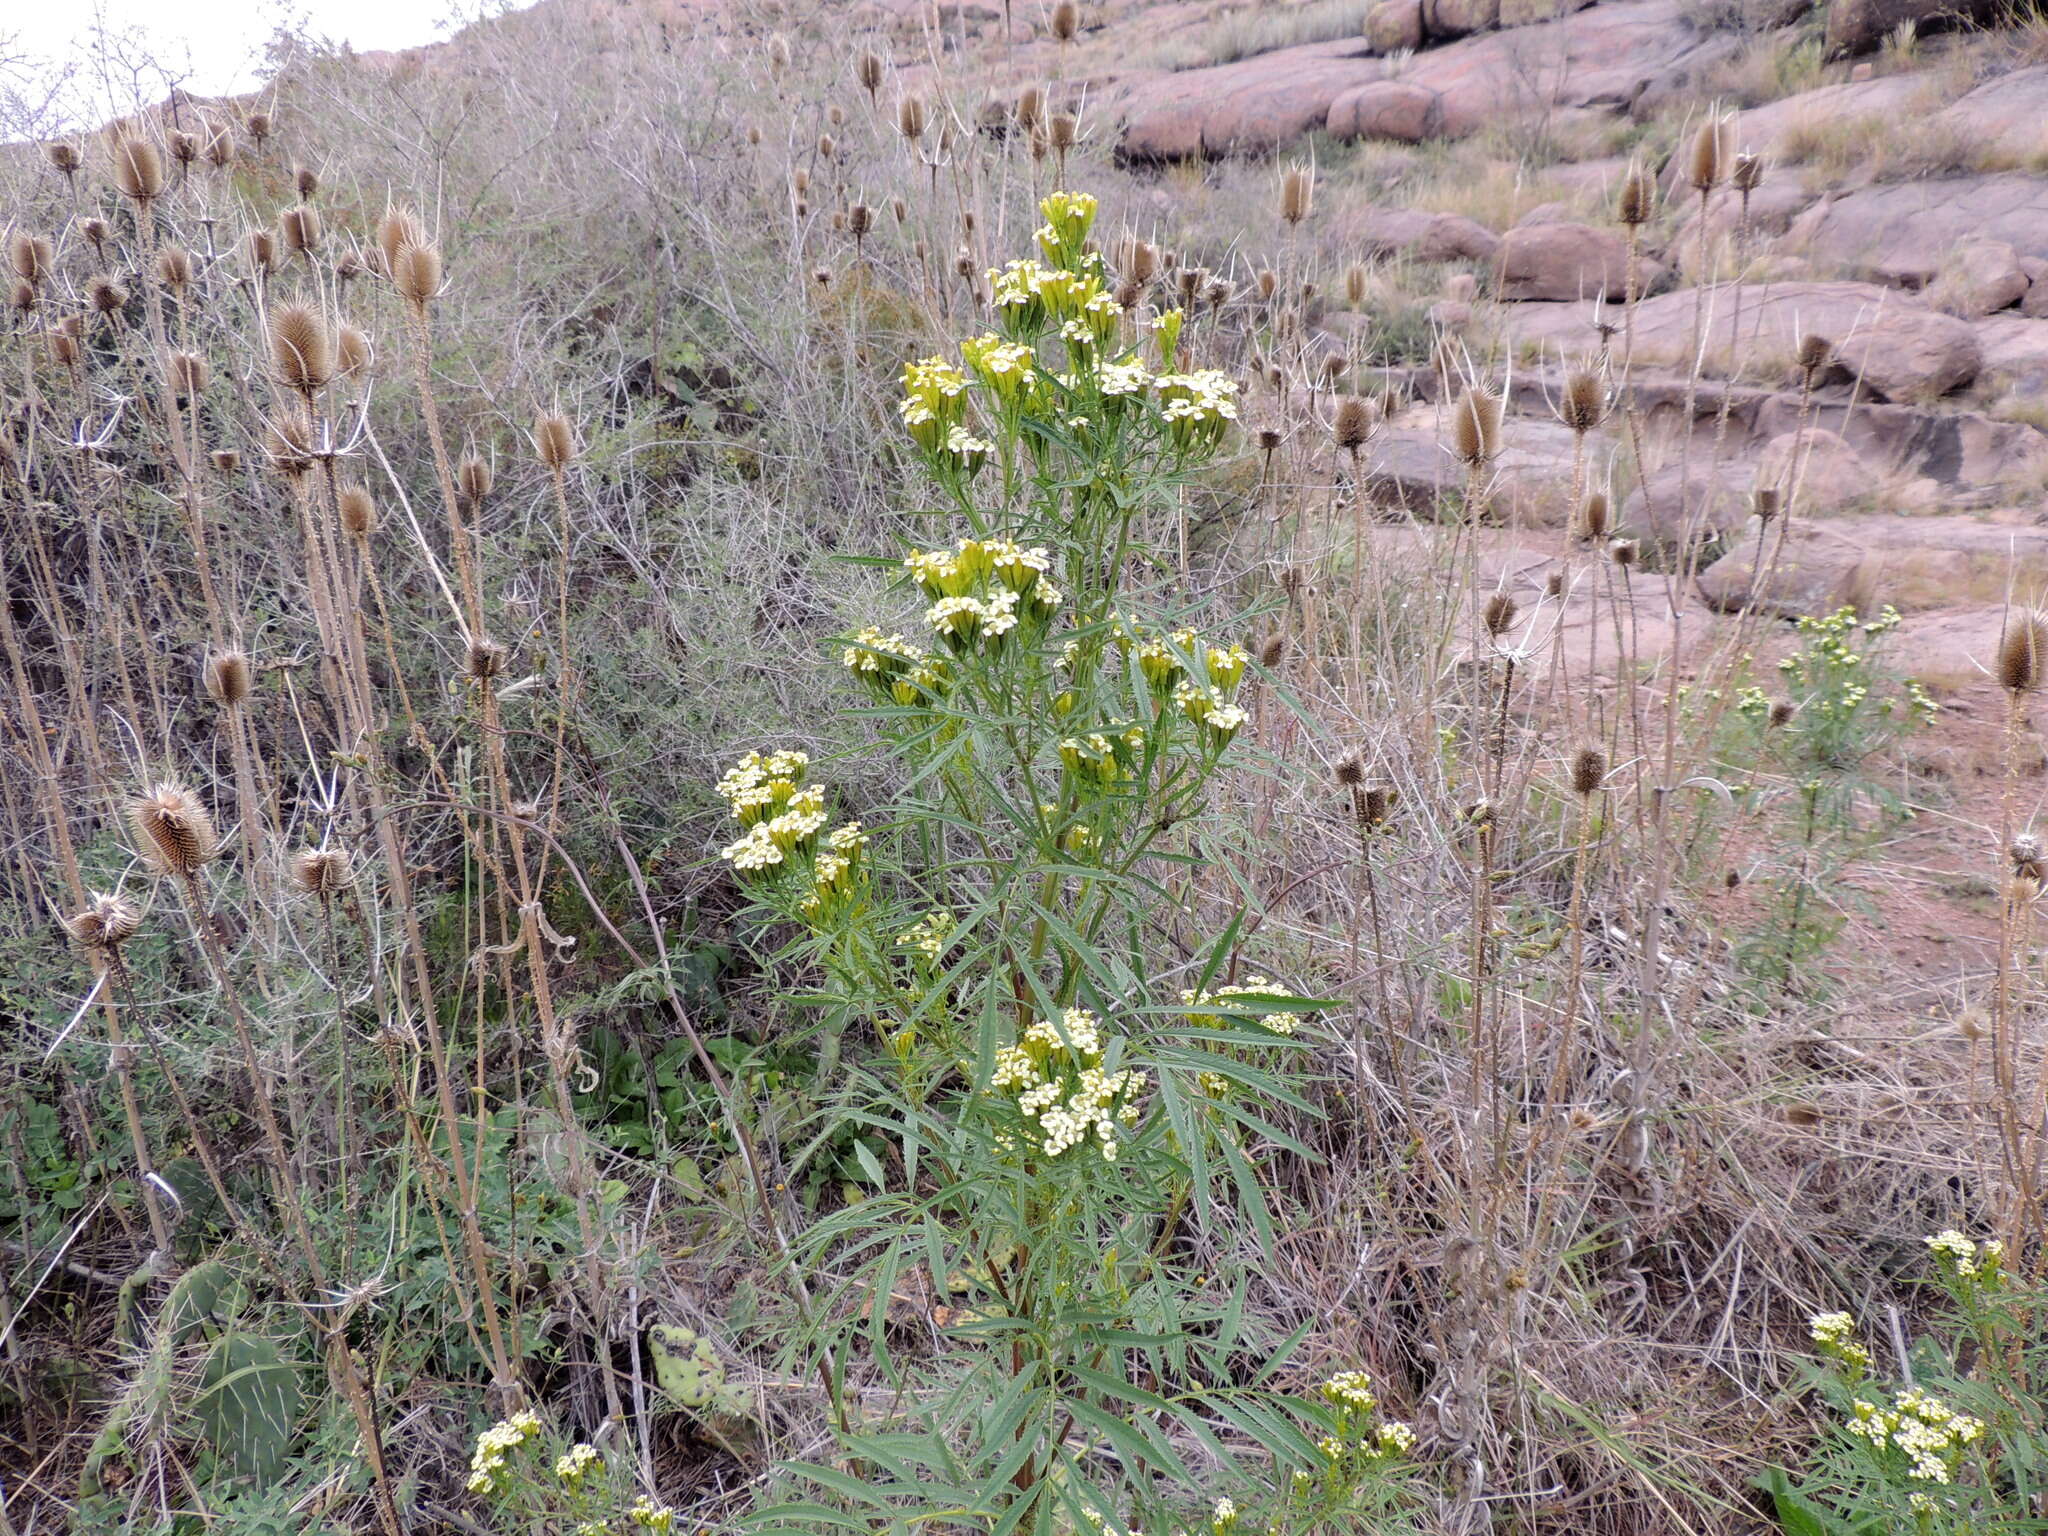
1637,203
173,831
1584,405
1066,21
1499,614
300,229
911,118
1712,155
1591,524
416,274
1355,421
188,374
30,256
174,268
1297,194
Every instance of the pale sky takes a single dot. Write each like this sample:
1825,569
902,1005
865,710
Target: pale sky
46,46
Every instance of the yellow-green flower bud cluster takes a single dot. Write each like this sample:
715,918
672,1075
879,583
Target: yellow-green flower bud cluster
983,590
1360,1440
1201,679
494,1446
895,671
575,1463
1834,1335
783,816
1103,759
650,1516
1968,1266
1251,986
1069,216
1930,1434
1198,407
1055,1077
928,937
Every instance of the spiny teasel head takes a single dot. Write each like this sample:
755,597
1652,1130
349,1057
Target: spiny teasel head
1592,521
1376,803
356,510
64,349
1814,353
1269,440
261,126
138,169
398,228
860,221
220,147
554,442
1350,773
1218,292
1355,420
867,72
1063,130
228,677
1030,109
2022,651
1589,770
352,351
1297,194
1747,173
1584,405
322,873
1637,203
225,460
188,374
1335,366
1475,426
1066,21
22,295
1268,283
104,294
97,232
778,54
262,249
174,268
1623,552
184,148
1356,281
822,276
300,228
1189,281
1712,155
31,257
64,156
1780,713
2029,859
1499,614
1766,503
301,349
105,922
1553,584
305,182
911,118
473,479
1273,650
416,274
827,146
486,658
173,832
1128,294
288,446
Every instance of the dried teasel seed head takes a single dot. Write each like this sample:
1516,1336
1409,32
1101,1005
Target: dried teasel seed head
860,221
473,479
2022,651
554,442
188,374
262,247
827,146
305,182
261,127
138,170
486,659
30,256
300,228
1553,584
288,446
1273,651
1335,366
106,922
1814,353
1297,193
1128,295
104,294
1781,713
1066,21
822,276
1063,129
64,350
1376,806
1218,292
2028,857
1584,405
64,156
226,460
321,872
356,509
1356,281
1712,154
1351,772
352,351
1144,262
96,231
2023,891
220,148
1589,769
1593,517
417,274
398,228
1499,614
1637,203
778,53
754,135
22,295
1355,421
174,268
1623,552
1269,439
173,832
228,677
1766,503
867,72
911,119
301,349
1189,280
184,147
1748,173
1475,426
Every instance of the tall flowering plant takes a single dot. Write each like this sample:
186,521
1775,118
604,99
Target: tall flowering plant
1066,1114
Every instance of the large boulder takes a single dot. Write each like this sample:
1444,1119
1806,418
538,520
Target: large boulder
1791,569
1459,18
1387,109
2016,349
1393,25
1900,348
1529,13
1567,261
1252,106
1901,233
2005,113
1980,278
1685,504
1817,470
1418,233
1858,26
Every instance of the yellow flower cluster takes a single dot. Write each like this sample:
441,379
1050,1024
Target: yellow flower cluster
1104,757
895,671
650,1516
1202,679
934,410
1007,369
1028,295
1068,218
1055,1074
487,1461
1350,1390
1930,1433
1834,1335
572,1465
984,588
1967,1262
783,816
835,872
1198,406
928,936
1251,986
